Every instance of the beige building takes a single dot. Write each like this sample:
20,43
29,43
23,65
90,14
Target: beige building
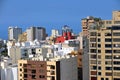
54,69
87,23
23,37
104,48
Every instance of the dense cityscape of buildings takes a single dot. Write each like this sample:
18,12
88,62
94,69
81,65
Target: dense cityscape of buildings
93,54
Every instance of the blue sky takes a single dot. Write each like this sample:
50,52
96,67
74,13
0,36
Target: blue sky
52,13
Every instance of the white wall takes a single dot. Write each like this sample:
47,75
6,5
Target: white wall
9,74
68,69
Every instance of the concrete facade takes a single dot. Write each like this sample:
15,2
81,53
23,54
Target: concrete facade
14,32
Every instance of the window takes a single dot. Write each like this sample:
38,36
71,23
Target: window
116,39
116,73
108,22
116,45
99,39
116,51
116,22
41,70
25,70
20,74
108,57
116,68
20,64
33,76
108,62
102,78
99,62
108,45
99,73
94,67
108,68
99,34
52,67
99,67
93,50
41,65
24,65
107,79
93,34
93,45
108,51
99,56
108,39
93,72
116,78
99,51
25,75
52,72
116,62
108,74
107,34
92,39
52,78
99,45
33,66
116,34
20,69
33,71
93,62
93,56
42,76
116,57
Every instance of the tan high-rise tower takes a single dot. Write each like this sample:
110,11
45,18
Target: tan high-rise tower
103,56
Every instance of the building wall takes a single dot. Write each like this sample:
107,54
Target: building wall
14,32
68,69
15,54
54,33
9,74
51,70
38,33
23,37
99,49
116,15
32,70
103,59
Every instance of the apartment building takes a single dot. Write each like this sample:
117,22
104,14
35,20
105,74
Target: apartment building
14,32
103,58
38,33
54,69
104,54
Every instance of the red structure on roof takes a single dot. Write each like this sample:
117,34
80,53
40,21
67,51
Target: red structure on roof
66,35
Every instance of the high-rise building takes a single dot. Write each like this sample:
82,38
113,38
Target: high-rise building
38,33
102,60
14,32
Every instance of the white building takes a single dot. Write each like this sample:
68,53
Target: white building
14,32
9,73
5,62
34,33
54,33
61,49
